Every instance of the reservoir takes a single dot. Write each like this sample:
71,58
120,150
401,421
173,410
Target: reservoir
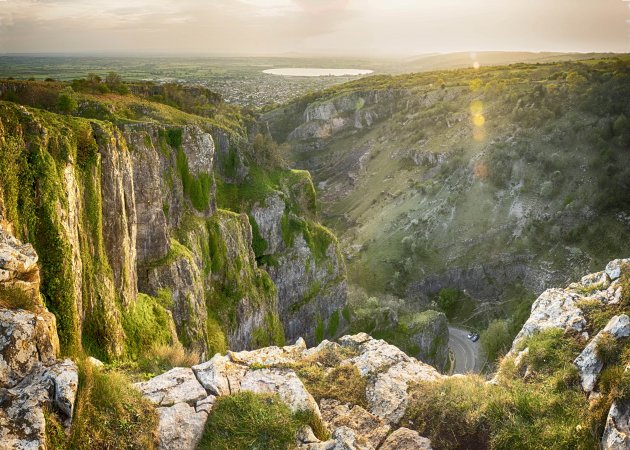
315,72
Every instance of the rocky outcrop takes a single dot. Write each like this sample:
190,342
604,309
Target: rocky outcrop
588,362
325,119
555,308
185,396
18,266
183,406
370,430
32,380
283,382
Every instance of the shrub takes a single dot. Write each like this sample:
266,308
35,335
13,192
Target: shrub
248,421
448,299
66,102
607,348
495,340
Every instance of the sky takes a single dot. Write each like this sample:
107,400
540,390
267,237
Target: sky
323,27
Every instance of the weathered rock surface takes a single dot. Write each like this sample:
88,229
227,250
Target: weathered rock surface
178,385
22,424
18,266
617,432
271,355
588,362
554,308
180,426
283,382
220,376
387,391
369,429
26,340
406,439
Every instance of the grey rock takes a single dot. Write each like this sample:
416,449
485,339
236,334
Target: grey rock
369,429
554,308
180,427
387,391
613,268
283,382
178,385
26,340
406,439
617,429
65,378
220,376
270,355
588,363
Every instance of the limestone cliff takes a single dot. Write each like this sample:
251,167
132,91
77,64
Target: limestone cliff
117,207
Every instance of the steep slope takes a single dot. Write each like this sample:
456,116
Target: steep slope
119,202
489,181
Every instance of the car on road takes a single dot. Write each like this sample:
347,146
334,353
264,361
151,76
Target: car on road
473,336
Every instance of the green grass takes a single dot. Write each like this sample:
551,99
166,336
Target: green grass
246,421
547,410
109,414
17,298
146,323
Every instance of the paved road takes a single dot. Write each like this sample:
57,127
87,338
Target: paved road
466,351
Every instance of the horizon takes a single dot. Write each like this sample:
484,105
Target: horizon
322,28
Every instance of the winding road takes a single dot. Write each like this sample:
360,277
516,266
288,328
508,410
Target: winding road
466,352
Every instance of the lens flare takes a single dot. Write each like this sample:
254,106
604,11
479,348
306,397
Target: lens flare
476,107
479,134
479,120
476,65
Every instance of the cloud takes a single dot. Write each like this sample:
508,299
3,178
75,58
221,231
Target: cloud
275,26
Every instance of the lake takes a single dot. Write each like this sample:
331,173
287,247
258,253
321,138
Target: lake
315,72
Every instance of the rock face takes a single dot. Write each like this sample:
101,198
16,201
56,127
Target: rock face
588,362
555,308
31,378
309,270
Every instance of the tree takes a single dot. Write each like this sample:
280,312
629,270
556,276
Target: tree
495,340
66,102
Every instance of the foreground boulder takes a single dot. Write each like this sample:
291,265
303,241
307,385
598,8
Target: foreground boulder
53,388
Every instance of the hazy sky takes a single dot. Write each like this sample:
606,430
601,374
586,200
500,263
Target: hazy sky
351,27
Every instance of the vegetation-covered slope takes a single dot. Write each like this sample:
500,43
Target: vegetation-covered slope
497,182
118,192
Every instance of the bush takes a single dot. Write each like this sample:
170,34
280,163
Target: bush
495,340
66,102
448,300
250,421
